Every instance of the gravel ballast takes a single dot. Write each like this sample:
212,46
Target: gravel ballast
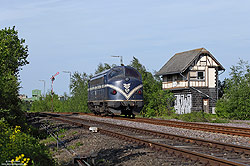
105,150
238,140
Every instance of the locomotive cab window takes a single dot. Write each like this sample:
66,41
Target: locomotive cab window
98,81
117,72
131,73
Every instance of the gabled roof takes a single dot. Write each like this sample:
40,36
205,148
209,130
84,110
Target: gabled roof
181,61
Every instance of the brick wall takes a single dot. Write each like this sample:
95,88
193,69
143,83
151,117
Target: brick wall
197,97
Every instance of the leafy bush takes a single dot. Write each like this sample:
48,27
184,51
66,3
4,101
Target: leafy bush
194,117
44,104
14,145
159,104
219,121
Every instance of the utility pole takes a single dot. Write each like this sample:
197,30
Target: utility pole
43,86
52,93
69,80
118,57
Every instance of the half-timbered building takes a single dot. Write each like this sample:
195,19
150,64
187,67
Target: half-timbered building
193,78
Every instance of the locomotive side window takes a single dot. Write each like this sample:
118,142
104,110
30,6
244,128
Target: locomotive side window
116,72
98,81
132,73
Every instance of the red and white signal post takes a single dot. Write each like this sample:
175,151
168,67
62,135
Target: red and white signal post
52,93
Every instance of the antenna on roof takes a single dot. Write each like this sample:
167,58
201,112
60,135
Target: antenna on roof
118,57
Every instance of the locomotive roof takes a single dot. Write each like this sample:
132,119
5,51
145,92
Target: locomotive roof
106,71
103,73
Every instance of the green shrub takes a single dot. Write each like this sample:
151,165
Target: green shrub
194,117
159,104
199,117
76,103
219,121
15,144
44,104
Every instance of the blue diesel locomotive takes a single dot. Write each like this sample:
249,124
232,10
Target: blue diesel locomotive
116,90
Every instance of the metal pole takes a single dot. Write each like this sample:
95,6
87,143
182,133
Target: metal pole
43,87
69,80
52,93
121,60
57,139
118,57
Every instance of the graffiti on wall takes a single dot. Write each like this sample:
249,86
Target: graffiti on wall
183,103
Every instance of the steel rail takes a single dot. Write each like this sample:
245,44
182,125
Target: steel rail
219,145
202,124
79,161
205,159
245,132
229,130
236,148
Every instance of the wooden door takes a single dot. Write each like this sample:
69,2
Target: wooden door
206,105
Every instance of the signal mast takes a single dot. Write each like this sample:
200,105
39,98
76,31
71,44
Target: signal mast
52,93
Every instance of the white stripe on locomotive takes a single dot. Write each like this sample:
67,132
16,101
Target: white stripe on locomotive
127,96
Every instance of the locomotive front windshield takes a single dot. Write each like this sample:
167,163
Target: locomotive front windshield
124,72
129,72
117,72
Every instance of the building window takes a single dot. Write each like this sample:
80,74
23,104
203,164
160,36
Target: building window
200,75
169,78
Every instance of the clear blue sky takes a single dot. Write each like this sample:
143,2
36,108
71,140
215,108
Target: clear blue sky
77,35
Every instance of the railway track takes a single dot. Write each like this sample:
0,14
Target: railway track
239,131
81,161
197,150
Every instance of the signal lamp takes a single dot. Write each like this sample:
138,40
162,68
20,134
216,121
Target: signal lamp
114,92
139,92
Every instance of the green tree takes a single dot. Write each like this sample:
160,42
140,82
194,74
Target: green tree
13,55
150,84
102,67
76,103
235,103
221,88
13,142
79,86
44,104
156,101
